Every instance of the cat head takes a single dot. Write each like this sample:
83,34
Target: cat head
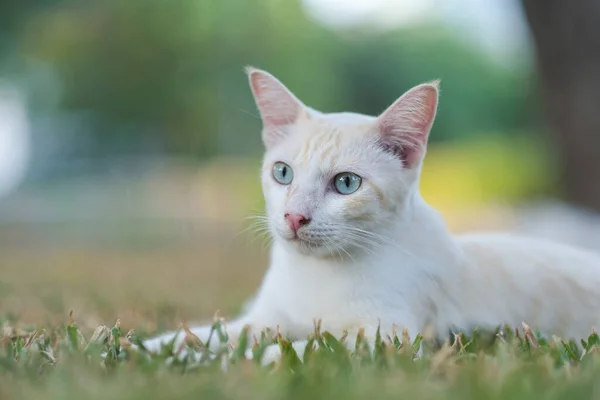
334,182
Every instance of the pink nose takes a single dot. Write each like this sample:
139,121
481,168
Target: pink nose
296,221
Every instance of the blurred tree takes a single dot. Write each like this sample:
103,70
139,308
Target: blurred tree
567,38
13,15
142,68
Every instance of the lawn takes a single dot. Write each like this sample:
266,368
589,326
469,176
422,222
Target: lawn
58,362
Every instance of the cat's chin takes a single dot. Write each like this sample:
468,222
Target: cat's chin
312,248
308,246
302,246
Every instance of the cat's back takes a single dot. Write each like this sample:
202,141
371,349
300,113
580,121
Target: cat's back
518,278
528,252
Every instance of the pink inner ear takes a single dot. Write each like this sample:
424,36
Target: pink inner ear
404,127
277,105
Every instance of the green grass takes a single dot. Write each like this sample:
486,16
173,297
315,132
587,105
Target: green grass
60,362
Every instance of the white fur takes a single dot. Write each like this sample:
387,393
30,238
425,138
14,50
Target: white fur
381,255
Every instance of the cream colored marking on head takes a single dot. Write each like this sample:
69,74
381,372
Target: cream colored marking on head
356,207
325,141
303,153
380,195
290,192
356,203
321,144
329,144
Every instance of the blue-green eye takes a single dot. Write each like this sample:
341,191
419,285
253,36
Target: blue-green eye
283,173
347,182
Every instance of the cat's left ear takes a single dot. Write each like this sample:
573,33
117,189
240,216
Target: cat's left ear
404,127
277,105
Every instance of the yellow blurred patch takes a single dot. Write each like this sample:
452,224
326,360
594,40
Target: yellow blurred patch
486,171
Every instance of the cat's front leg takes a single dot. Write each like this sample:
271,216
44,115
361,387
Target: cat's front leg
205,333
273,352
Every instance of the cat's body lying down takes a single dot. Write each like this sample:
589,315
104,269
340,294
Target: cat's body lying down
356,246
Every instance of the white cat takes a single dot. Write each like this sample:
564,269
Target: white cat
355,245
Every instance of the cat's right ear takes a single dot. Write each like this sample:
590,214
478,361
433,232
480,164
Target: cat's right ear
277,105
405,125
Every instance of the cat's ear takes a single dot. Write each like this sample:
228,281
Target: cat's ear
277,105
404,127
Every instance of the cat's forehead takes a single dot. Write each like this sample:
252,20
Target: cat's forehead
329,138
344,119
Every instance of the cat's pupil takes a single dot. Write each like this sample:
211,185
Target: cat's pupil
347,181
284,171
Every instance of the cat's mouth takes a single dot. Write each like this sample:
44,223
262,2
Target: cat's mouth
309,244
305,246
302,241
300,238
311,241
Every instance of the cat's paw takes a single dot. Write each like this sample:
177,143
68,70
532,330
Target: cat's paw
156,344
272,353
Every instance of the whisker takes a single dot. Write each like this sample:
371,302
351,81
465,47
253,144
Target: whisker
373,239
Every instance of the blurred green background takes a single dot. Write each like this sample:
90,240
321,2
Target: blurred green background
127,127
